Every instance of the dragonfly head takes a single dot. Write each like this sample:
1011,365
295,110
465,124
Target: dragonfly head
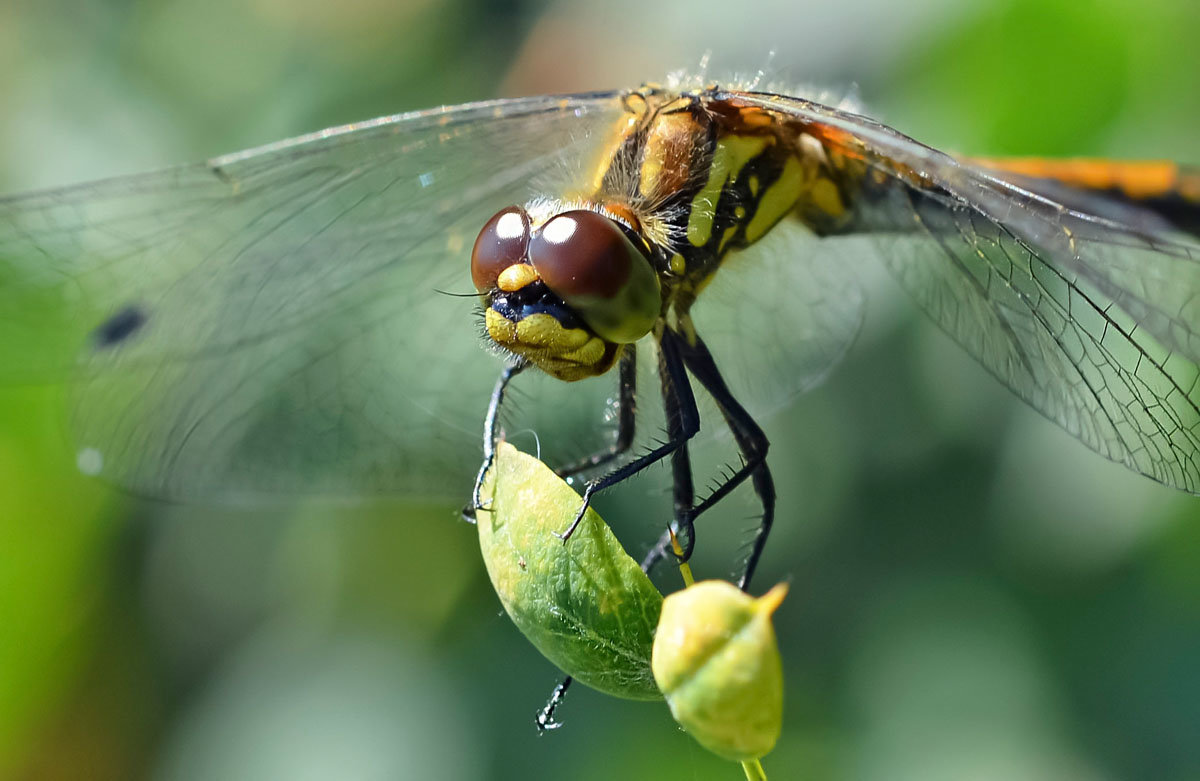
566,292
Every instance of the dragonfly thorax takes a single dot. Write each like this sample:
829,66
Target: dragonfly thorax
565,292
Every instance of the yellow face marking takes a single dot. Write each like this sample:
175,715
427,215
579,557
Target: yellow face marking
516,276
753,182
588,361
730,157
542,331
502,330
777,200
588,355
566,353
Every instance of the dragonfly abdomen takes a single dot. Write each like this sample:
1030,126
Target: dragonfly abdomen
1123,190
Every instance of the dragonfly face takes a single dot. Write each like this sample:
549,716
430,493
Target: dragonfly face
565,293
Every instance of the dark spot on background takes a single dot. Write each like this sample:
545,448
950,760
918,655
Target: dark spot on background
119,328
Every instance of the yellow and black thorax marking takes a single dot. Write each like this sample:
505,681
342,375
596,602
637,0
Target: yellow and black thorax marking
702,177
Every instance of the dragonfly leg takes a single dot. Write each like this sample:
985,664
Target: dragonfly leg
489,436
545,717
682,424
684,496
682,482
674,372
626,419
751,441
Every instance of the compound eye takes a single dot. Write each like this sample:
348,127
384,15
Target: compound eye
502,243
587,260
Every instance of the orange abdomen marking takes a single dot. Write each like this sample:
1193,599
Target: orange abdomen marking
1136,180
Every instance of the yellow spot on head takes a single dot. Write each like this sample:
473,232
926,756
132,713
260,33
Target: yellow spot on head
516,276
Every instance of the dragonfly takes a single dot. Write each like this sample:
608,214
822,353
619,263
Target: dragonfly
275,321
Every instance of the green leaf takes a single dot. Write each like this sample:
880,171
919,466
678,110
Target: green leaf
586,605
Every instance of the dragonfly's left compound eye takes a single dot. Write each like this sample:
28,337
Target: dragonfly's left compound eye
588,261
501,243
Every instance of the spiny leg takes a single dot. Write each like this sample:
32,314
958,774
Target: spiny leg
683,421
489,436
545,718
751,441
684,497
682,483
626,418
689,423
626,425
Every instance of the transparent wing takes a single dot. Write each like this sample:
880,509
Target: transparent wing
1092,321
271,320
780,314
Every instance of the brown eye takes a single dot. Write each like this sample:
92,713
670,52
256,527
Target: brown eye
581,253
587,261
501,243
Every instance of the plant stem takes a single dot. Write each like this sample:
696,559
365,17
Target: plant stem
684,569
754,770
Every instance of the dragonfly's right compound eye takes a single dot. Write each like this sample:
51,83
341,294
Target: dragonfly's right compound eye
503,242
589,262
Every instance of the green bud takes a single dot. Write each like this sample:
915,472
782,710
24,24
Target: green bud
716,661
586,605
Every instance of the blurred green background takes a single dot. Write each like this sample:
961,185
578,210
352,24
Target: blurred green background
975,595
